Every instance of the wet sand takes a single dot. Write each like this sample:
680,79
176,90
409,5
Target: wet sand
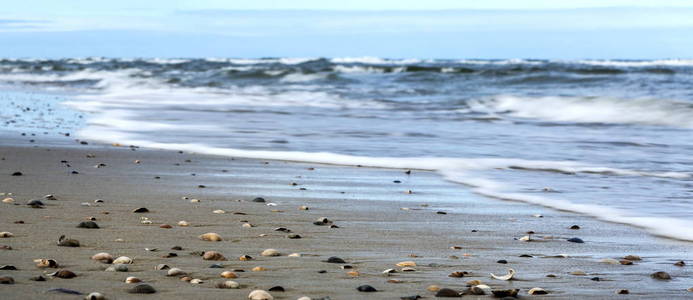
374,233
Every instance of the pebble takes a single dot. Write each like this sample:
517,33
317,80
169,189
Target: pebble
260,295
680,263
175,272
322,221
259,200
65,274
458,274
578,273
95,296
433,288
303,207
506,293
229,284
258,269
213,255
270,252
219,211
304,298
196,281
537,291
141,210
123,260
575,227
293,236
632,257
389,271
406,264
211,236
17,173
610,261
575,240
216,266
162,267
117,268
661,275
35,204
276,289
88,225
132,279
6,234
480,289
625,262
448,293
295,255
623,292
165,226
142,288
183,223
366,289
38,278
8,200
335,260
502,261
245,258
8,267
228,274
6,280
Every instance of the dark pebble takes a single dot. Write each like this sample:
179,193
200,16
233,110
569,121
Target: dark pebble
396,181
661,275
64,291
74,172
176,248
623,292
35,203
575,227
17,174
6,280
680,263
294,236
322,271
276,289
141,210
335,260
576,240
38,278
448,293
169,255
64,274
526,255
65,242
216,266
595,279
441,213
259,200
88,224
202,186
142,288
410,297
506,293
457,274
8,267
366,289
502,261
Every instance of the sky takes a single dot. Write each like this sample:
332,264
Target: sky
566,29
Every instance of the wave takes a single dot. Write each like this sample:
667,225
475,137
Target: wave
453,169
638,63
658,112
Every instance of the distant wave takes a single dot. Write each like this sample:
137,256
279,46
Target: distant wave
660,112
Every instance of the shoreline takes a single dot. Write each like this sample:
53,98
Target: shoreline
375,231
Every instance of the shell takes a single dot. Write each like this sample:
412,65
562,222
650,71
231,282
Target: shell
219,211
183,223
95,296
6,234
142,288
610,261
228,274
103,257
123,260
258,269
117,268
389,271
213,255
260,295
270,252
247,225
8,200
46,263
295,255
406,264
433,288
65,274
578,273
175,272
304,298
484,289
196,281
132,279
510,275
537,291
229,284
245,258
210,236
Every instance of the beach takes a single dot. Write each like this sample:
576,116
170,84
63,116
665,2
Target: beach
438,225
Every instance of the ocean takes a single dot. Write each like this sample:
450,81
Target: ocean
612,139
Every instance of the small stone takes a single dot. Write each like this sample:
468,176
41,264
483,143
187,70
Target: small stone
575,227
65,274
132,279
6,234
219,211
447,293
35,204
17,173
625,262
335,260
276,289
270,252
661,275
293,236
537,291
304,298
175,272
196,281
165,226
177,248
88,225
680,263
502,261
183,223
117,268
229,284
353,273
433,288
46,263
228,274
260,295
322,221
366,289
623,292
575,240
123,260
596,279
142,288
213,255
141,210
406,264
259,200
6,280
211,236
95,296
632,257
11,267
303,207
8,200
258,269
610,261
38,278
578,273
294,255
506,293
216,266
162,267
457,274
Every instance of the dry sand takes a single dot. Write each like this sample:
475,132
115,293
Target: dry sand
374,231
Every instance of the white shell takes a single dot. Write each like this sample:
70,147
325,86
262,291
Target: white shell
175,272
123,260
295,255
95,296
230,284
304,298
270,252
196,281
183,223
538,291
6,234
510,275
219,211
610,261
525,238
485,288
260,295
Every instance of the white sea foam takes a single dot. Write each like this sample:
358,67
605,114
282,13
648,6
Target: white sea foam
374,60
660,112
300,77
638,63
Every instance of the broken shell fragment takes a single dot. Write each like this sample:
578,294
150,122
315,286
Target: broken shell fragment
406,264
270,252
260,295
210,236
537,291
46,263
510,275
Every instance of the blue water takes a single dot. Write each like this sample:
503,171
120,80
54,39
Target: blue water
611,139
